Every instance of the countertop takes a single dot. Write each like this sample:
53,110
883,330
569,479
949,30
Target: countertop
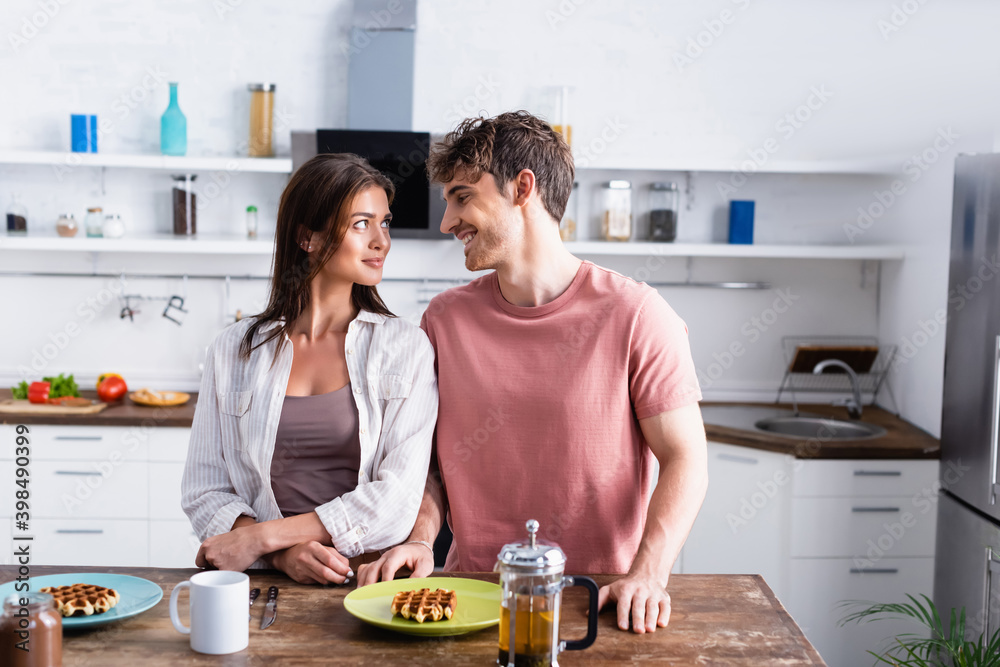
716,619
902,440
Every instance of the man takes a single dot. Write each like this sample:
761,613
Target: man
559,381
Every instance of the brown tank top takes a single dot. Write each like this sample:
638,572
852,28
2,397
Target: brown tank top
317,451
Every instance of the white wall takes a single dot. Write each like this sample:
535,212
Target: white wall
886,94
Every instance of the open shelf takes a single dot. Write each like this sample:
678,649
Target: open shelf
868,165
240,245
159,162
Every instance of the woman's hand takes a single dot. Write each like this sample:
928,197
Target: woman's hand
236,550
312,563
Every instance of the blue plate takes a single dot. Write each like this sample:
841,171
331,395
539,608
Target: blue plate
137,595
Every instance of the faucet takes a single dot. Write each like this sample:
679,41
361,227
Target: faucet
853,404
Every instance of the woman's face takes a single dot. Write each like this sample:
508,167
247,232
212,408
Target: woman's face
360,255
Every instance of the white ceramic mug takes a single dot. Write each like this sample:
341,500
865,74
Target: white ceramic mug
219,603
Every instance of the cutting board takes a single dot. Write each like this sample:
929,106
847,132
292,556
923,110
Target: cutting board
24,407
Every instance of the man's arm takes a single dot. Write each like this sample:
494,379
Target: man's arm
677,439
417,557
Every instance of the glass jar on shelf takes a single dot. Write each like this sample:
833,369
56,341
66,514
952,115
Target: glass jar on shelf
17,217
616,206
663,212
94,222
251,222
66,225
261,119
567,226
185,201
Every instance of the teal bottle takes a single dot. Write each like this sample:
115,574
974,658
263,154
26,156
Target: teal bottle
173,127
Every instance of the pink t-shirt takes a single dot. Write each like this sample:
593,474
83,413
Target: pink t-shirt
539,411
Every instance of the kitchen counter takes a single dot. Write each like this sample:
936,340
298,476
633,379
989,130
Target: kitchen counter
732,423
722,424
122,413
716,619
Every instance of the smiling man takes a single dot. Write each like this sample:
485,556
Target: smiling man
560,381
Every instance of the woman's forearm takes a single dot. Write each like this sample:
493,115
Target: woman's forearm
283,533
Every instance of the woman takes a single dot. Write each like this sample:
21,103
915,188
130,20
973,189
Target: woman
312,434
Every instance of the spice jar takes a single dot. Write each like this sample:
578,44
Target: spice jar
185,223
567,226
251,222
17,217
113,227
94,222
261,115
66,225
30,621
616,221
663,212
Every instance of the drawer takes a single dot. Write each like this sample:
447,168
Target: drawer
90,542
865,478
169,443
92,490
869,528
819,586
86,443
7,435
172,544
165,491
7,480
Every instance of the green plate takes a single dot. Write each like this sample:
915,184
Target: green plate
137,595
477,606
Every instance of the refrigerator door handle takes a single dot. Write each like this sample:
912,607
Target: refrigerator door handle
995,422
992,579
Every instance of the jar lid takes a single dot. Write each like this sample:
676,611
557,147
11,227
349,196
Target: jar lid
663,186
535,555
30,599
619,185
65,215
262,87
95,209
251,208
183,177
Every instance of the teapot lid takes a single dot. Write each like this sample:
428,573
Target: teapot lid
535,555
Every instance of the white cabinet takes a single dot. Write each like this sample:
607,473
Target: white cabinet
742,527
103,495
860,530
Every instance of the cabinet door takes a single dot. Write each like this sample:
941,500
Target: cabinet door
742,527
819,586
868,528
84,489
165,491
172,544
90,542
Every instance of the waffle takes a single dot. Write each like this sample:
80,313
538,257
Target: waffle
83,599
425,604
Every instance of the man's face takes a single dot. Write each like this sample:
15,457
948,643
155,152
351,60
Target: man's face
482,218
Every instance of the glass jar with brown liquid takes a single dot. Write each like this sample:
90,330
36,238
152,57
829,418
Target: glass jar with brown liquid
30,631
531,579
261,119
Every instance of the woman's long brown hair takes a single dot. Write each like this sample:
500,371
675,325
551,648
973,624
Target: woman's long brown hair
318,197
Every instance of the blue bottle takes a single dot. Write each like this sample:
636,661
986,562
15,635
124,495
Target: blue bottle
173,127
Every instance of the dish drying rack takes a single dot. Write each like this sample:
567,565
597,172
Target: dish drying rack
855,351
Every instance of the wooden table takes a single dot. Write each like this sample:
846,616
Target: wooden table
716,620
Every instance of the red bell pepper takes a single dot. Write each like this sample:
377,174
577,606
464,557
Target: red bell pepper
38,392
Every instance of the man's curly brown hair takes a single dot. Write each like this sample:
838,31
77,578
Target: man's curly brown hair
503,146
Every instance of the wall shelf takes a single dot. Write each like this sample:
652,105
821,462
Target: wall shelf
862,166
157,162
219,244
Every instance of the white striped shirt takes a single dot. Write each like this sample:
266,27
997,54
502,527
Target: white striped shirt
228,471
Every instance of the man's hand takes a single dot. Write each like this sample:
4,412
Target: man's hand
313,563
644,599
236,550
418,558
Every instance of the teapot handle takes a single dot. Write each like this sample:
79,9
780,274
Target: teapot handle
591,586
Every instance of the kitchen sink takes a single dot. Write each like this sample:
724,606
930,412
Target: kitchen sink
819,427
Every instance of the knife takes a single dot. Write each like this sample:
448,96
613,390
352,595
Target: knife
271,608
253,598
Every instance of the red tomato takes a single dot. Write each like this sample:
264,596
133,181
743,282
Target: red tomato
38,392
111,388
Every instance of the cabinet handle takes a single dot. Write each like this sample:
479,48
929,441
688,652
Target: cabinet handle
737,459
80,531
874,509
995,422
83,473
874,570
78,437
878,473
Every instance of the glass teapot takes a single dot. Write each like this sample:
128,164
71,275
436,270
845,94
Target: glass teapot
531,578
